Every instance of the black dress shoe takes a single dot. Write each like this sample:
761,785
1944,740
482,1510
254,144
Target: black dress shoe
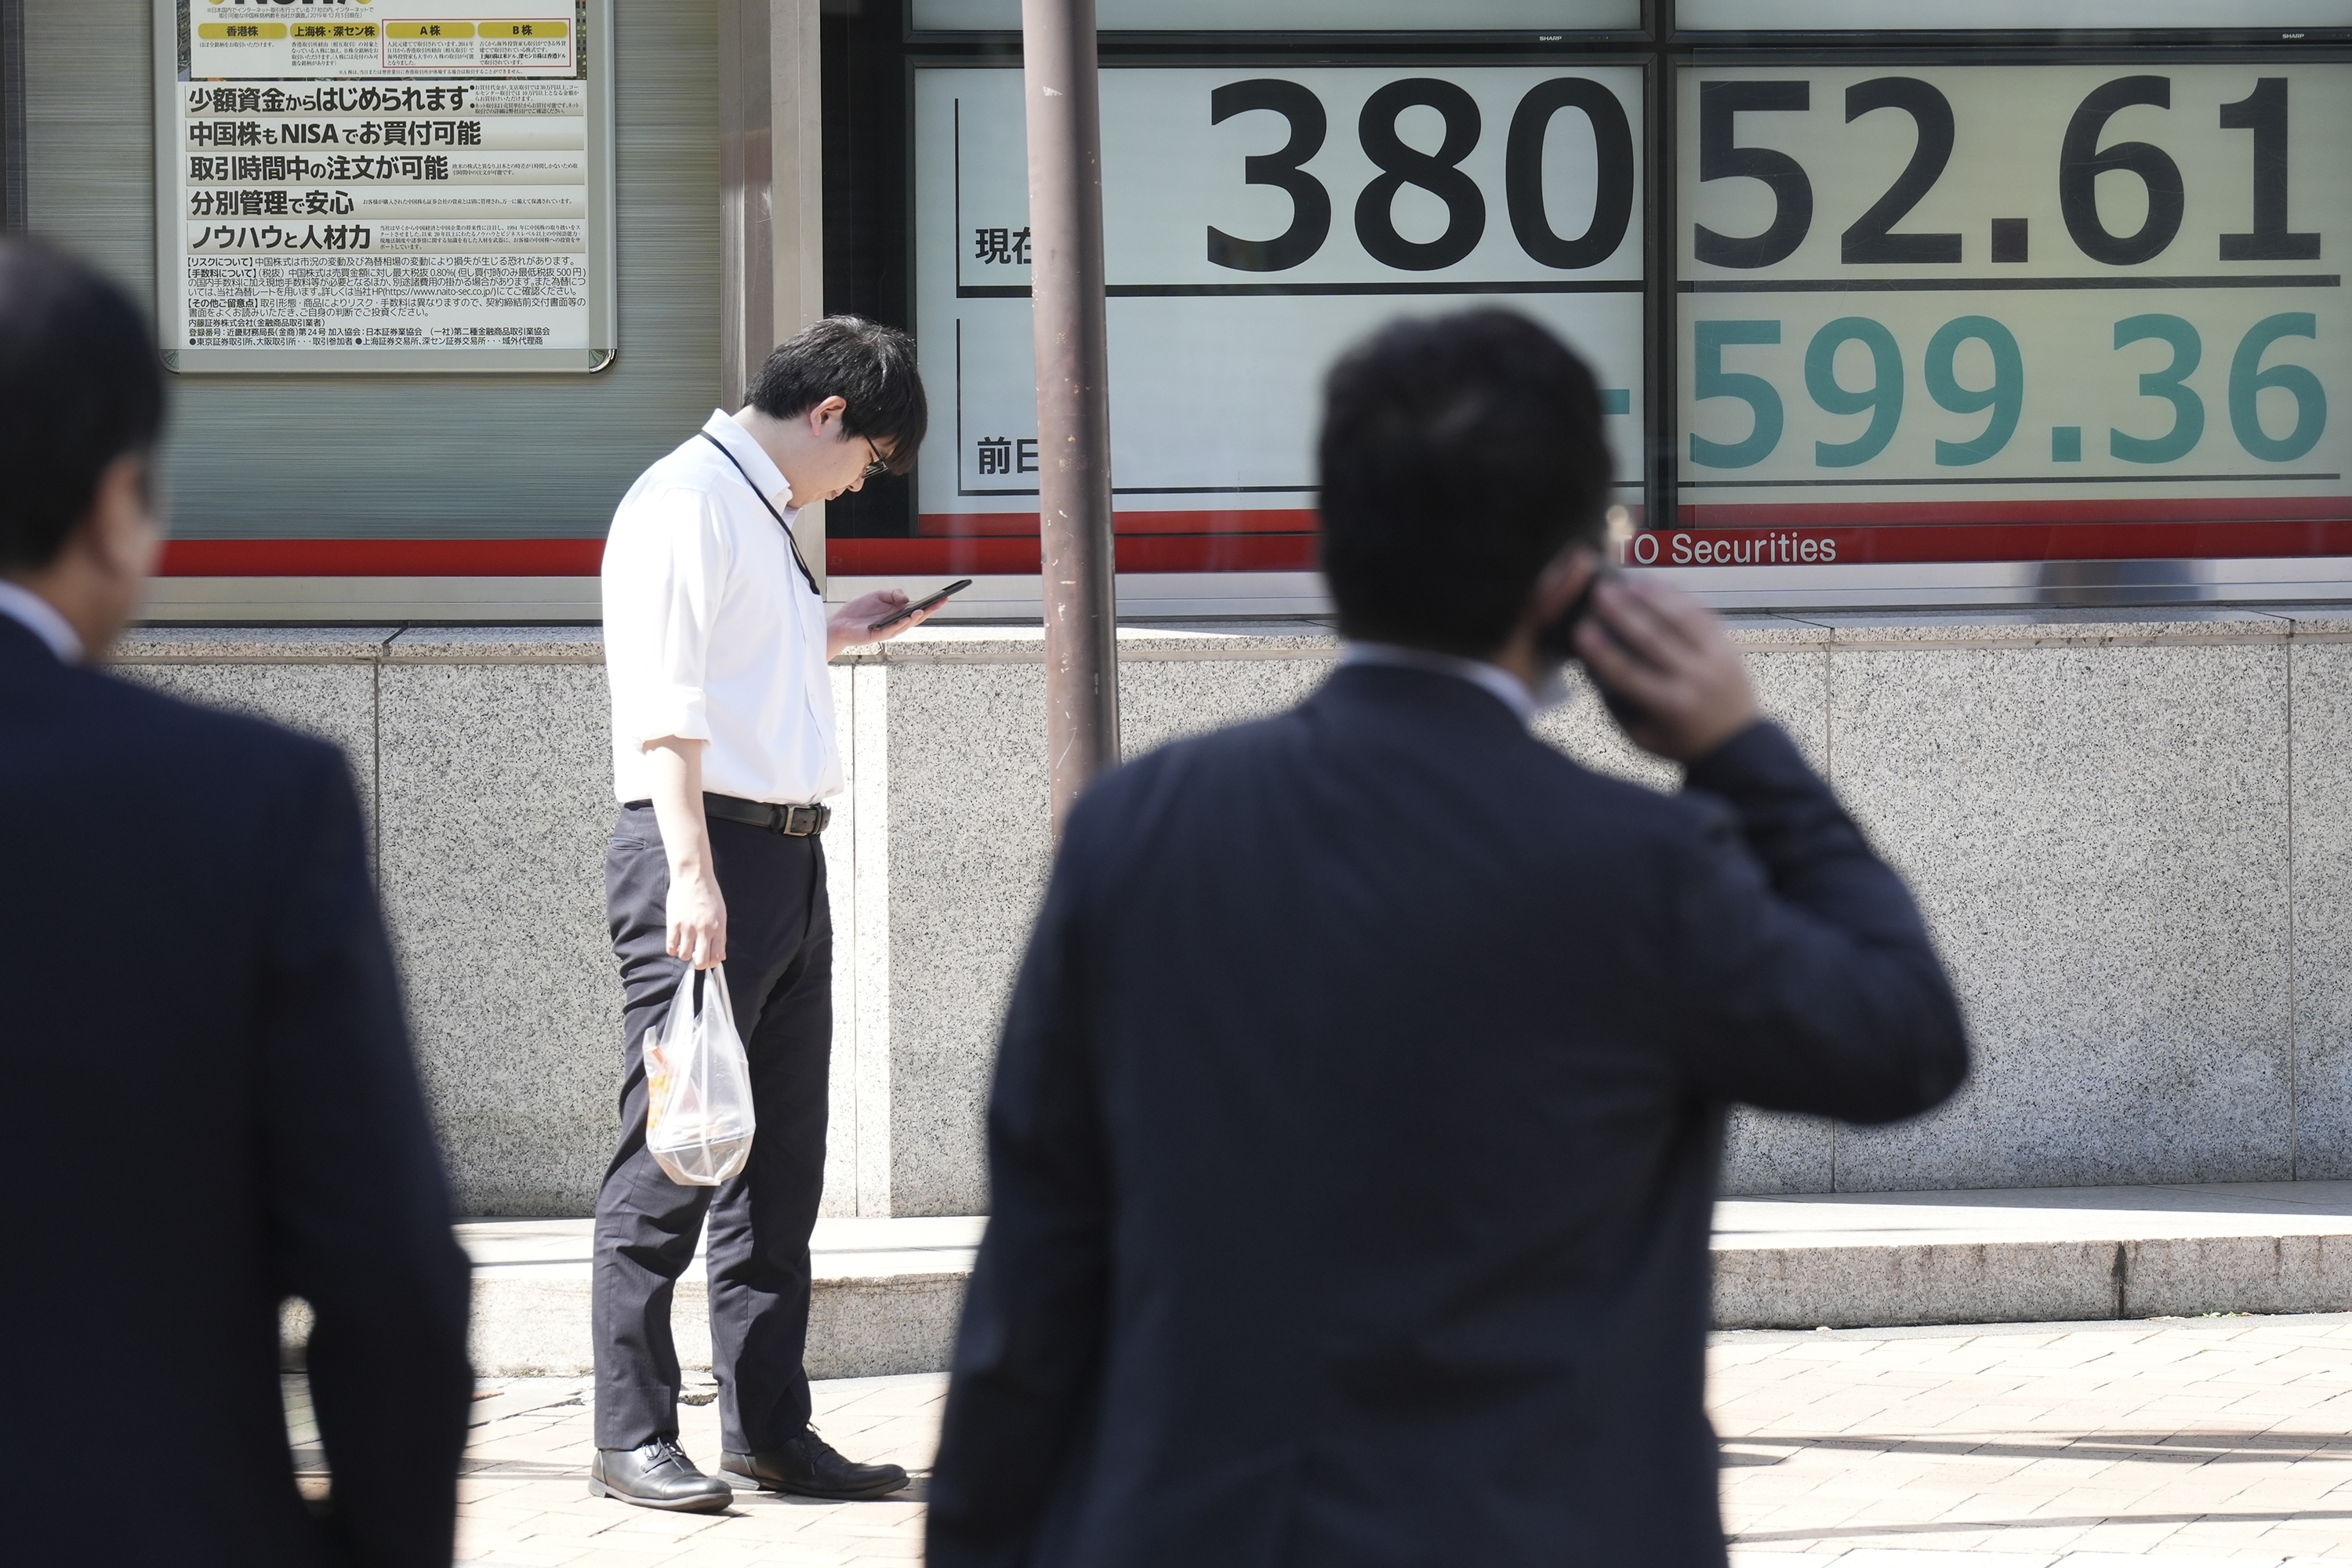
659,1475
808,1465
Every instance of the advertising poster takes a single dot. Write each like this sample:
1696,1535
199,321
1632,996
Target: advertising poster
385,184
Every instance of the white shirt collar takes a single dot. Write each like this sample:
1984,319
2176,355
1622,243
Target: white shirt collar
41,618
1501,683
759,468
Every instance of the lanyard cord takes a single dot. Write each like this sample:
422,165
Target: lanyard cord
789,542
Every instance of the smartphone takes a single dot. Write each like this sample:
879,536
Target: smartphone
921,604
1558,640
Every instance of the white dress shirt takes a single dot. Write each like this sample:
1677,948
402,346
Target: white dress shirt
712,634
41,618
1505,686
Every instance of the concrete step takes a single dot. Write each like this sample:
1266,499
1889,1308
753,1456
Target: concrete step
886,1299
888,1291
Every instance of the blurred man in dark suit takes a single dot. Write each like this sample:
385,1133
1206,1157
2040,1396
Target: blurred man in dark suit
1356,1128
212,1103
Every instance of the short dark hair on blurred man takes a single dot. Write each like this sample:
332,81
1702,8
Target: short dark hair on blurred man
1458,455
1353,1146
215,1103
80,387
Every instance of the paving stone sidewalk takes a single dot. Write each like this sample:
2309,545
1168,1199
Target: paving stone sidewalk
2204,1440
2168,1443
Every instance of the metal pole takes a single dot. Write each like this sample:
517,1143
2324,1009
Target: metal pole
13,218
1060,85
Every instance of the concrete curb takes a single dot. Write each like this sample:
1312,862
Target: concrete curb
2029,1281
889,1292
526,1326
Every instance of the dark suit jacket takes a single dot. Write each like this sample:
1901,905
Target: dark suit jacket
212,1105
1355,1140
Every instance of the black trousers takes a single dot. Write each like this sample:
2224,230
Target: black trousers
779,975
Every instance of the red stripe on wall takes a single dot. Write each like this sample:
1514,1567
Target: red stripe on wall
1917,543
383,558
584,557
958,524
995,556
1285,541
2194,509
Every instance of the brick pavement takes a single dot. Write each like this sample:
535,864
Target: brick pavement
2088,1446
2208,1439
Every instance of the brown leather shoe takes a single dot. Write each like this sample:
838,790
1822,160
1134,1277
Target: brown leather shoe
659,1475
809,1466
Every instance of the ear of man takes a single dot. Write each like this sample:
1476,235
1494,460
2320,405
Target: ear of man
98,578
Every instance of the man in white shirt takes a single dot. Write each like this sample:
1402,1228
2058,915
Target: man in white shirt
716,642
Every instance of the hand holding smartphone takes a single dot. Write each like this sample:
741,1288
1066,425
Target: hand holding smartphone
921,605
1558,640
1661,660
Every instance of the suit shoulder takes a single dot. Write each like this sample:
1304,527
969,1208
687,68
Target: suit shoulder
1672,820
1134,795
1228,748
1635,805
174,733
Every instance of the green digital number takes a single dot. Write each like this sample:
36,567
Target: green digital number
2005,396
2169,384
1709,379
1882,399
2248,379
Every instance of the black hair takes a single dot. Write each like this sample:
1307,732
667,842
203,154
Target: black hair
80,386
869,366
1458,455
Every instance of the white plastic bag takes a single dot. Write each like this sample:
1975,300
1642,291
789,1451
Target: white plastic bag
699,1119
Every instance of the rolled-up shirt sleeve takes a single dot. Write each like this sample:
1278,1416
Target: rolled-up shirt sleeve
665,565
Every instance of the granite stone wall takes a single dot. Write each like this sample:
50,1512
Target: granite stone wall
2132,832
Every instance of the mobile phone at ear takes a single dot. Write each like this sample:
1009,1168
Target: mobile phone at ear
886,622
1558,640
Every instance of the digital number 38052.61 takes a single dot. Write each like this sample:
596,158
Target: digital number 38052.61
2003,399
1872,239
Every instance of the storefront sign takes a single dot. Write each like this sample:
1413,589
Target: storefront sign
1258,221
1939,313
384,185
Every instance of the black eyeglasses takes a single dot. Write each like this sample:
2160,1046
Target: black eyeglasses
878,467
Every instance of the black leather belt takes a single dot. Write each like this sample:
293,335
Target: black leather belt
793,821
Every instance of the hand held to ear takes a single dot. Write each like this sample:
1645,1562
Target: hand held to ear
1662,651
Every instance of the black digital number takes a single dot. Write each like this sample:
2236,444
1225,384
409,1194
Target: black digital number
1310,203
1612,195
1721,158
2081,161
1439,173
1931,112
2263,112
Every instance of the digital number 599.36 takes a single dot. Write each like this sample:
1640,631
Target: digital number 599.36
2003,399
